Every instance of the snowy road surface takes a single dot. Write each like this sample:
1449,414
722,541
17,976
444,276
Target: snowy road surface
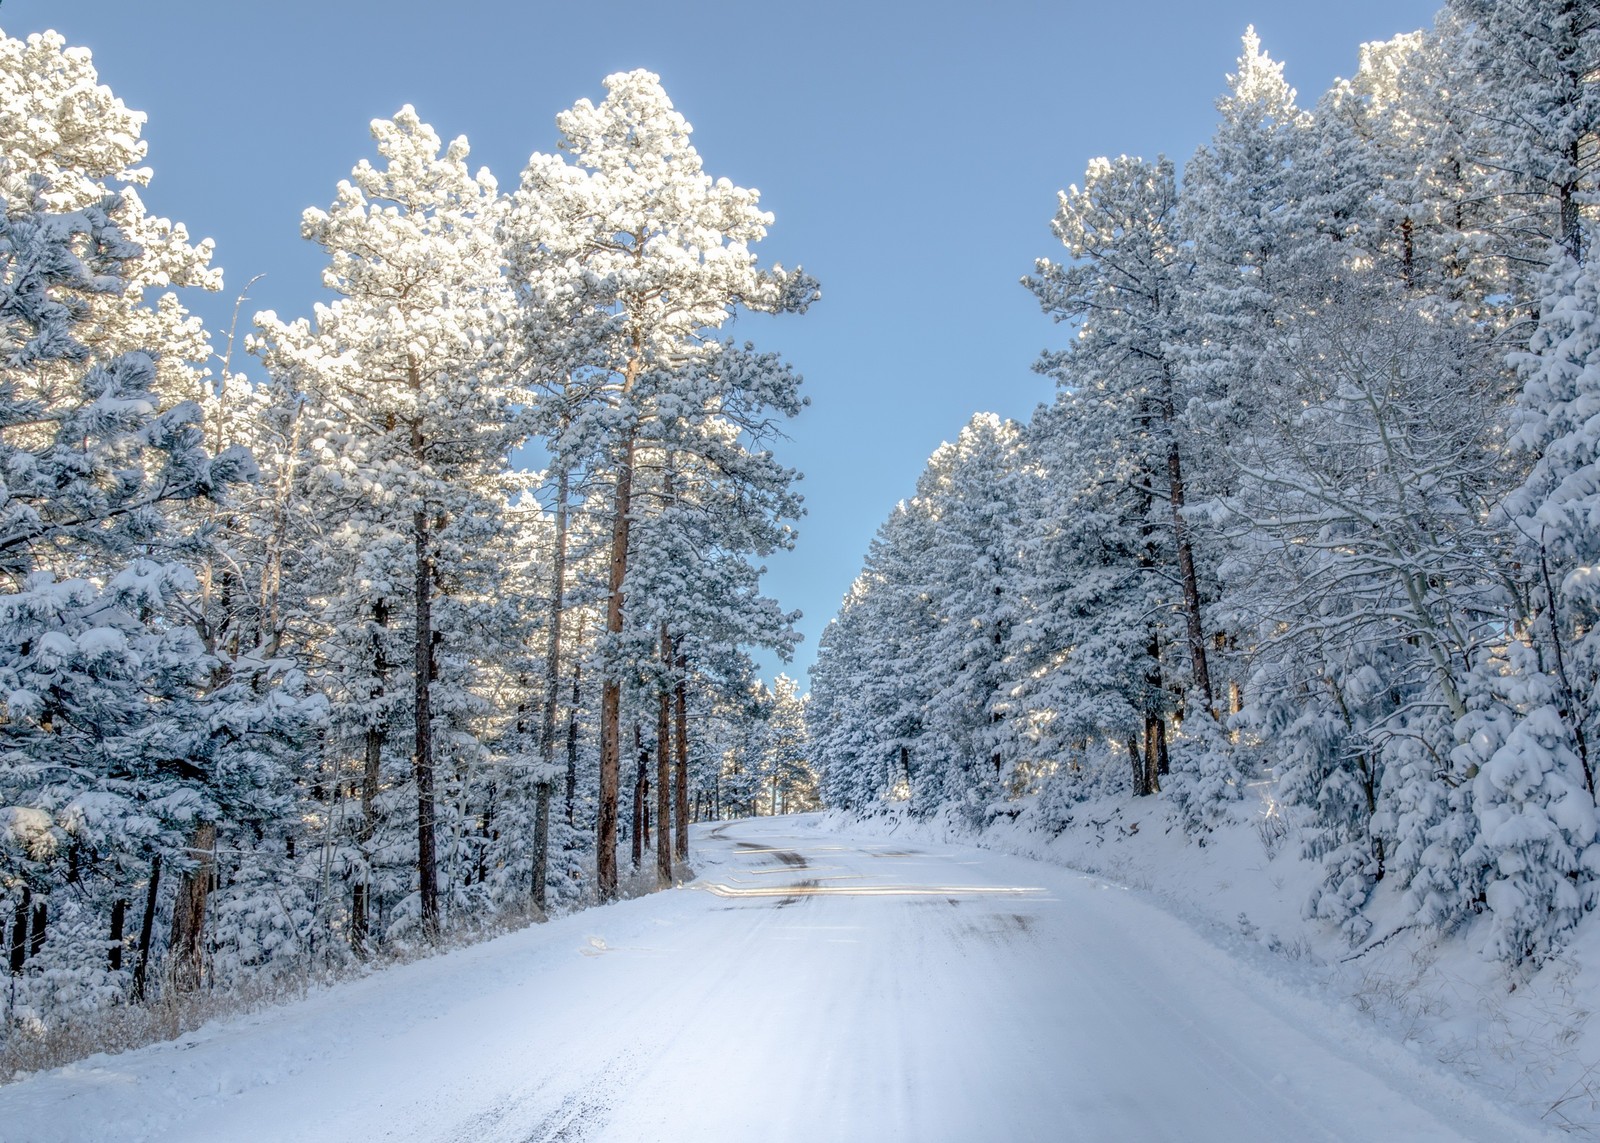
811,987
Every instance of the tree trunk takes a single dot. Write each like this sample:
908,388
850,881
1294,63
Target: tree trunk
552,685
487,833
1153,722
376,735
1155,751
360,926
19,931
1180,533
1408,253
1570,202
1136,761
572,747
147,928
611,691
1566,691
422,755
41,922
681,710
119,915
189,911
541,839
997,640
641,768
664,766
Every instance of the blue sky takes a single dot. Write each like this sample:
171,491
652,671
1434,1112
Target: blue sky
911,153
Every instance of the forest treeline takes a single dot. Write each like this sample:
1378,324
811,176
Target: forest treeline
300,663
1316,506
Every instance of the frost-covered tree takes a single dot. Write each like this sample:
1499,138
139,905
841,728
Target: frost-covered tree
1086,647
1289,465
1531,738
1122,374
1366,560
871,719
1527,68
787,763
406,376
913,677
1552,511
90,457
67,139
646,256
1239,213
116,746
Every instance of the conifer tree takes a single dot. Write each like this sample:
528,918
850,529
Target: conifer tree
408,371
648,256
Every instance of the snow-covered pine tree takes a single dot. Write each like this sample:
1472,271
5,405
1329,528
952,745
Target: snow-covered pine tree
871,723
1133,403
67,134
649,255
110,739
856,774
1085,674
407,373
1526,69
1242,220
967,496
787,764
1535,741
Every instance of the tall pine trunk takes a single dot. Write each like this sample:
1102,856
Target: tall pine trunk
1192,617
552,685
611,690
541,838
19,931
422,754
422,670
375,738
640,778
681,711
572,748
187,951
119,914
1570,202
1155,752
664,765
147,928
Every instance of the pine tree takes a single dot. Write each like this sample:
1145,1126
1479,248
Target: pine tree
1534,112
646,255
111,739
407,370
1128,400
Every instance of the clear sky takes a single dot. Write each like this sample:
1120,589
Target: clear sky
911,153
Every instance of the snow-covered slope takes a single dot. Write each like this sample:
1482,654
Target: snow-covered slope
816,984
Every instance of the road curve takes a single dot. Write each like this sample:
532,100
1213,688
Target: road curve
810,987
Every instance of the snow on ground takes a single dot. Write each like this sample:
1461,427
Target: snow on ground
1522,1037
818,983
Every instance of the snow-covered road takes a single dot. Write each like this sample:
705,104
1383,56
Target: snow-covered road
811,987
